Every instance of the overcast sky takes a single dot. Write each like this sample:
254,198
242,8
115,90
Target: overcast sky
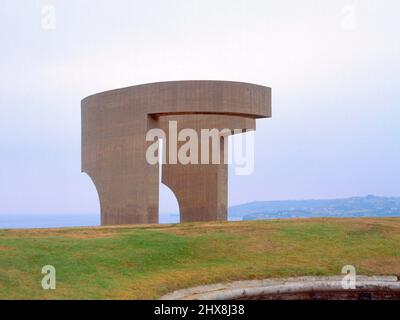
333,66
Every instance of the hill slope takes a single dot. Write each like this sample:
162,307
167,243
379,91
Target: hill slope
369,206
149,261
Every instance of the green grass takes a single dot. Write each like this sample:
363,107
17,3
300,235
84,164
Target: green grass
145,262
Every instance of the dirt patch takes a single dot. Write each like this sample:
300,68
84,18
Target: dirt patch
389,265
236,228
90,235
74,233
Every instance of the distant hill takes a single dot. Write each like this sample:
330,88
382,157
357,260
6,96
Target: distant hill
369,206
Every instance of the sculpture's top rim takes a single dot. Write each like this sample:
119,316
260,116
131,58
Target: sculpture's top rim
187,97
160,83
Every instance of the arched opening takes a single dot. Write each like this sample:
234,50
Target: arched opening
90,205
168,207
240,171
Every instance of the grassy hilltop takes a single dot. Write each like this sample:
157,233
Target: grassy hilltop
144,262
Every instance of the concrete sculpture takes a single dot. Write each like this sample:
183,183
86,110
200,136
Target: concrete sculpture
114,146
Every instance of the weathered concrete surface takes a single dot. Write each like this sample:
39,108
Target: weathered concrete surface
114,126
255,289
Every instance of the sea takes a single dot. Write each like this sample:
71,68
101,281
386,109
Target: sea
18,221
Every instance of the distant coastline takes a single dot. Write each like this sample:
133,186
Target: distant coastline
354,207
368,206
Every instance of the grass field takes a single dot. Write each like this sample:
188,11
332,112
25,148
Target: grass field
146,262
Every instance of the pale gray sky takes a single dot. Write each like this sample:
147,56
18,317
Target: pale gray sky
333,66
